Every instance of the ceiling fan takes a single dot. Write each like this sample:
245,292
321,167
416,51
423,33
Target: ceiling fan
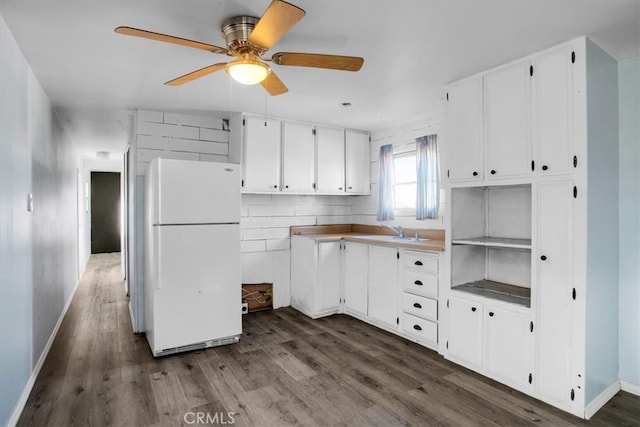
248,38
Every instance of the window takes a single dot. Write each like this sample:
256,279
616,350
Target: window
404,166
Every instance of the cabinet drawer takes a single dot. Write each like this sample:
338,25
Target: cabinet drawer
421,261
420,283
421,329
426,308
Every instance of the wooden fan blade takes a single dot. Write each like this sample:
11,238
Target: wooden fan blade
274,85
196,74
333,62
129,31
277,20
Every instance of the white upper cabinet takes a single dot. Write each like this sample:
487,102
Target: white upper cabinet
464,132
553,101
298,157
358,167
261,154
330,160
507,123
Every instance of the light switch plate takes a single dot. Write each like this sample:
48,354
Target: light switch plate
30,202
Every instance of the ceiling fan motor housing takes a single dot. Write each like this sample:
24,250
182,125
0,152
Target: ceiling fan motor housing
236,33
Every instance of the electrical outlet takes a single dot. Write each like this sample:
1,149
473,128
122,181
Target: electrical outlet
245,308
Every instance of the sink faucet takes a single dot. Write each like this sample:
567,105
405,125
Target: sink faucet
399,231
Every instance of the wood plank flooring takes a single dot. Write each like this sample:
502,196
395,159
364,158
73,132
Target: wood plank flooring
286,370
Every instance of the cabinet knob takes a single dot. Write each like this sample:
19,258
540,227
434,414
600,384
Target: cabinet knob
418,282
286,186
417,305
473,309
339,188
545,167
475,173
543,257
491,313
349,188
275,186
417,327
493,171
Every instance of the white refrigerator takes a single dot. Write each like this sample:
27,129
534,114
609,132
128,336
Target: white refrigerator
192,288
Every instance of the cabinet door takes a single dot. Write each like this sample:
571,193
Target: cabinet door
464,343
383,285
261,154
358,168
298,158
507,127
355,278
507,346
328,291
553,328
464,131
553,112
330,160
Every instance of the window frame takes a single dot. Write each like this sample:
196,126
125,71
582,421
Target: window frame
406,150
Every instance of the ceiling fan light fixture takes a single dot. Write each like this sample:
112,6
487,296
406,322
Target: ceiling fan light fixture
248,71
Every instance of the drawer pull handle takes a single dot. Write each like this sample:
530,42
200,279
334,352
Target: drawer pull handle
417,327
417,305
418,282
473,309
491,314
417,263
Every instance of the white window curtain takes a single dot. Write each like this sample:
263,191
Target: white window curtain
385,183
427,173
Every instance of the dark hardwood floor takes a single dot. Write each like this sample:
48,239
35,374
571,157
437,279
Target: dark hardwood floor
286,370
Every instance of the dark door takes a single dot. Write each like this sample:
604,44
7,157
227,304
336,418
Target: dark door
105,212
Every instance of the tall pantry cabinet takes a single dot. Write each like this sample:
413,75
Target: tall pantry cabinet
531,160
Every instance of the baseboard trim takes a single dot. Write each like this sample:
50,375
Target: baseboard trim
630,387
17,410
601,400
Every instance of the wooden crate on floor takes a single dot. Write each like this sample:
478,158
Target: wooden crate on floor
259,296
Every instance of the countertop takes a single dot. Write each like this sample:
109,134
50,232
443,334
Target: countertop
430,240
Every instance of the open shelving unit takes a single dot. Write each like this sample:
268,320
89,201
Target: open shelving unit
491,242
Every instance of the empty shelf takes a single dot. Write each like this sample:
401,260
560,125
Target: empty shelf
495,242
498,291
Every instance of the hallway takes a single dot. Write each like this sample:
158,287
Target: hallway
287,369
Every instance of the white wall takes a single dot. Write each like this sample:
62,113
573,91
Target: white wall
602,221
629,220
38,257
364,207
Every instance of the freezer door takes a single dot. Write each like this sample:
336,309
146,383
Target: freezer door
191,192
197,296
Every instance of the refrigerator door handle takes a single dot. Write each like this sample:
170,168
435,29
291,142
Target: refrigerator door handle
156,255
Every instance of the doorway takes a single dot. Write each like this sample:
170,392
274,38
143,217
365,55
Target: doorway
105,212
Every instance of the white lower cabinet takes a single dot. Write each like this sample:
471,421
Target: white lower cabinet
315,276
354,277
508,346
419,296
383,285
491,339
394,289
464,343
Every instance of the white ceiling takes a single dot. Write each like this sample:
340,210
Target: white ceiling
95,77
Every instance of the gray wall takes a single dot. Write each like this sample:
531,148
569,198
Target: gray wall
38,257
629,203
